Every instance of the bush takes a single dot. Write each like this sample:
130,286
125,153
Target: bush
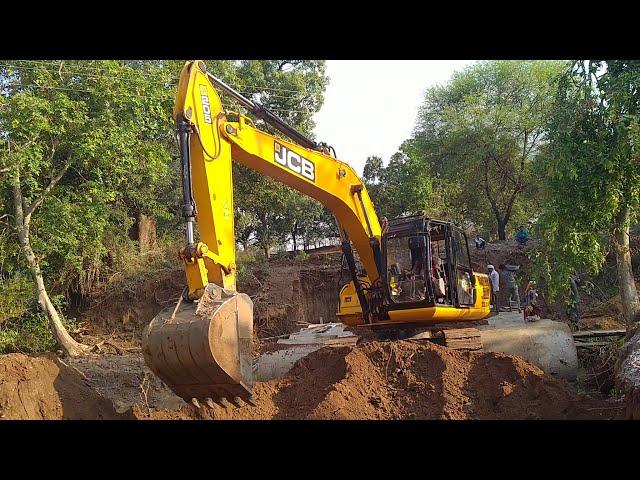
30,334
23,328
249,262
16,297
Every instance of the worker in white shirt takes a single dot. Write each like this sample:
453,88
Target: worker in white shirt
494,278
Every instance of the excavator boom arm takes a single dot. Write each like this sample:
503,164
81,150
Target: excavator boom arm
299,164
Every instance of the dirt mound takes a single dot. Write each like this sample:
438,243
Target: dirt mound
611,307
500,252
41,387
505,252
606,322
407,380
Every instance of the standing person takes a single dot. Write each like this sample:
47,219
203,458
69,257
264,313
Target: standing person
531,310
522,235
437,279
494,278
480,242
511,283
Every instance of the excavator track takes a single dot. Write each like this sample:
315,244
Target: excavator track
202,350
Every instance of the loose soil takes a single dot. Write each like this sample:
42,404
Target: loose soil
376,380
406,380
42,387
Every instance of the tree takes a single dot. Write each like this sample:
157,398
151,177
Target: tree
88,147
72,133
301,213
404,186
592,173
481,132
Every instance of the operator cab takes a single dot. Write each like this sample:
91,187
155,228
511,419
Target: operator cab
426,263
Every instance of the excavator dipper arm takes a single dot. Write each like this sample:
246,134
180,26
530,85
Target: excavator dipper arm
202,350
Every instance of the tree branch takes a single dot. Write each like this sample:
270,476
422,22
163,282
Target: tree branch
38,201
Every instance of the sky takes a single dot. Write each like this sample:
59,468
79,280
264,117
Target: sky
370,106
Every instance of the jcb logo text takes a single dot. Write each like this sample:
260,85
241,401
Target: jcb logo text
294,162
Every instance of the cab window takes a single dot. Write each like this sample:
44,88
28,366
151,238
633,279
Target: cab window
407,268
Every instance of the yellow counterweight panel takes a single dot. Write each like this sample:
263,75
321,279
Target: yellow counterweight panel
438,314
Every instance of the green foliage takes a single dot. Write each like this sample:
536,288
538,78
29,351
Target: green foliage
109,124
100,125
479,136
248,262
591,166
29,334
16,297
302,255
268,212
404,186
30,331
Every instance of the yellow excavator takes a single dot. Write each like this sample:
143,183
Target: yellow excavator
416,271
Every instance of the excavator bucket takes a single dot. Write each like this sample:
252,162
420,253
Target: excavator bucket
202,350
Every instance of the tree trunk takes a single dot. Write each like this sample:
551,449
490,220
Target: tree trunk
265,246
147,233
23,221
295,239
502,229
626,283
68,344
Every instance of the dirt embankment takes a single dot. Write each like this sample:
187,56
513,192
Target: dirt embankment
503,252
407,380
43,387
293,291
116,316
375,380
284,293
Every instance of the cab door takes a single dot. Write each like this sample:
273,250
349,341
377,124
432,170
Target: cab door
464,281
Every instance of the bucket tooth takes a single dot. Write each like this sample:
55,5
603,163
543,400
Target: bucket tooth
225,403
196,403
238,402
210,403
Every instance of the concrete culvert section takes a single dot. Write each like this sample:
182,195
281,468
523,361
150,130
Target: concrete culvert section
545,343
